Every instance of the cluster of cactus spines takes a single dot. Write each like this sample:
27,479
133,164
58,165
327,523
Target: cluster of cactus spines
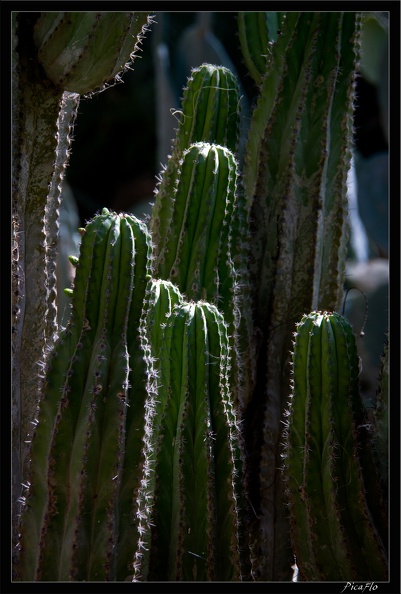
295,178
82,51
191,506
333,535
69,523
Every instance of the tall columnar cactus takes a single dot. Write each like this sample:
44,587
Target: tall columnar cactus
191,507
295,175
210,112
203,246
73,505
55,57
201,178
333,532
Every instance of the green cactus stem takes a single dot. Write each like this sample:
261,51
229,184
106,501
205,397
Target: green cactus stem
209,113
257,32
82,51
205,248
43,114
69,522
333,534
191,520
295,179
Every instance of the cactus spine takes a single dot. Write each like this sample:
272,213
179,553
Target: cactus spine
332,529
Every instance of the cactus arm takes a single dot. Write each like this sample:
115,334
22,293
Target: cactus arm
63,39
325,484
229,456
135,402
327,537
331,252
73,493
169,467
257,31
143,443
265,105
210,113
70,350
99,489
196,452
67,480
192,532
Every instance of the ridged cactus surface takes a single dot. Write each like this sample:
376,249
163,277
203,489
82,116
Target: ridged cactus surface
333,533
257,32
191,505
81,51
70,520
210,112
295,171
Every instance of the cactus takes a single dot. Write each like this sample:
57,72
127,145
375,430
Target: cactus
201,180
257,32
210,113
333,534
295,179
69,523
198,252
172,414
191,520
82,51
44,113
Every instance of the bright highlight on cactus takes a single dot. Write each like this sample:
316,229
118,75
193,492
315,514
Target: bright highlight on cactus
333,534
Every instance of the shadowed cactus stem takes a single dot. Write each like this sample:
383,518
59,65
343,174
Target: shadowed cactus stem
333,533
